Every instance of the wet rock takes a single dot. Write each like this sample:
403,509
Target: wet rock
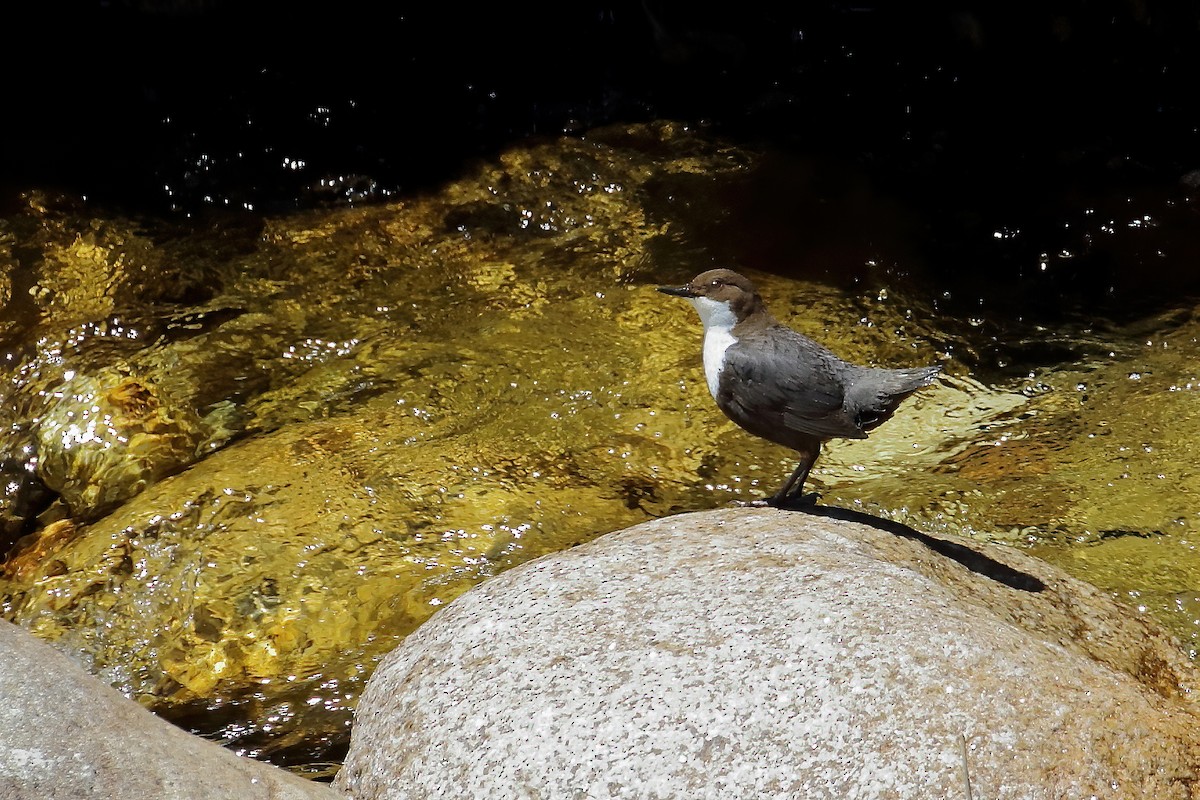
98,413
34,554
773,654
104,437
88,268
22,493
282,568
63,734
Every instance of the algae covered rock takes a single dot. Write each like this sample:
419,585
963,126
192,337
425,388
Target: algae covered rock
104,437
292,561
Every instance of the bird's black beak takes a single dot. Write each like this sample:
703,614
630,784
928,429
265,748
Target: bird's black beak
678,291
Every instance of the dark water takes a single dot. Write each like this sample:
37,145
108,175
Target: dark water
1039,163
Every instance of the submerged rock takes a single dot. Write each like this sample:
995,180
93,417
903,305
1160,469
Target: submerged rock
763,653
63,734
105,437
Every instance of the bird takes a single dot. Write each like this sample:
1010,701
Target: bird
782,386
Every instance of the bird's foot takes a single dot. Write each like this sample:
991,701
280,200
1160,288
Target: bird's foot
791,502
794,501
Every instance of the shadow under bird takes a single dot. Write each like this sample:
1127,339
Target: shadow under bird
781,385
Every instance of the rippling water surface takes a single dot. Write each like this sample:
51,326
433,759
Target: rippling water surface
244,460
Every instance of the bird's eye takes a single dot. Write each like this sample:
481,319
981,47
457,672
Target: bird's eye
717,282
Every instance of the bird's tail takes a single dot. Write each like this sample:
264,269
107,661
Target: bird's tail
882,390
906,381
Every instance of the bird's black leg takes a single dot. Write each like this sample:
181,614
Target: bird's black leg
790,493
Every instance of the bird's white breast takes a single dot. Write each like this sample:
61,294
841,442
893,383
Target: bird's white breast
718,319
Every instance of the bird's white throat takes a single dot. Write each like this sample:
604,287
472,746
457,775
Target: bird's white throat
718,319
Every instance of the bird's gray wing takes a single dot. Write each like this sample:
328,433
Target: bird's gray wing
786,379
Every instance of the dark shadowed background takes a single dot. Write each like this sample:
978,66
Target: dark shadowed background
997,125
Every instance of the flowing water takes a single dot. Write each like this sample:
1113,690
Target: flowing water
244,459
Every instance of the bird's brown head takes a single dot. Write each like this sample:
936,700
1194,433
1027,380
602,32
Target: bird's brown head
731,290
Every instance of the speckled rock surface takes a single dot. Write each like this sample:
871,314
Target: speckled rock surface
759,653
64,734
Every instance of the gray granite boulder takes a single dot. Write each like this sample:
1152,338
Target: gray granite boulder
64,734
766,654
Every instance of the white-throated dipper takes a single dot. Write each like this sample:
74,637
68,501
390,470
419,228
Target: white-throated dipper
781,385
